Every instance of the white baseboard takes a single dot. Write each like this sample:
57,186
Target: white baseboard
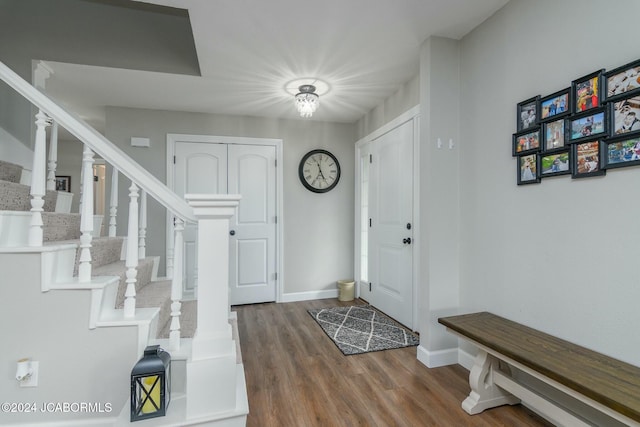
310,295
451,356
436,359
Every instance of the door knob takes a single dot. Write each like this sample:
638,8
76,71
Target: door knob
232,232
407,241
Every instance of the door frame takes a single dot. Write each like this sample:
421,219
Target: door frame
411,115
173,138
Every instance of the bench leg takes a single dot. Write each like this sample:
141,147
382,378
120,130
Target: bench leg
484,393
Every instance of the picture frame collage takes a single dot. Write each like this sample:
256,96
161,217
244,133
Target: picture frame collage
583,130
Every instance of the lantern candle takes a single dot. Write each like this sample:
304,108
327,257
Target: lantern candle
151,386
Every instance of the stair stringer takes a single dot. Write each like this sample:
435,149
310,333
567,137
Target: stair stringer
77,363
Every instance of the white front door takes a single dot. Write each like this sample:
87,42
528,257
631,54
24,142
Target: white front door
248,170
252,174
390,253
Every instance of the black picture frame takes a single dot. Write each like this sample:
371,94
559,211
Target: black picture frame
527,113
554,135
526,142
587,159
624,116
63,183
556,105
586,92
589,125
622,82
555,163
528,171
621,152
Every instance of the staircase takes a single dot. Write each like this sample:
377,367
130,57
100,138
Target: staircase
85,305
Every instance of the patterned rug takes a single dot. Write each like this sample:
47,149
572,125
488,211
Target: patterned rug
362,328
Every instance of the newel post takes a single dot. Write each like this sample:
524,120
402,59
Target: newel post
213,334
213,366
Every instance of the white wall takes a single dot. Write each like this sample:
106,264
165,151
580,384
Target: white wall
560,256
439,197
318,228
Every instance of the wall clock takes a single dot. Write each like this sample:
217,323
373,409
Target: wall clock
319,171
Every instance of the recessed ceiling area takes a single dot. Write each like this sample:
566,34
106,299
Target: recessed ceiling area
249,51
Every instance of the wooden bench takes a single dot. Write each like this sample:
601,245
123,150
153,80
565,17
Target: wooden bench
610,386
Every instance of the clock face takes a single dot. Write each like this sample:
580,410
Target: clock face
319,171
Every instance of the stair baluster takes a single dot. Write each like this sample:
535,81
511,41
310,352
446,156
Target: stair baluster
132,253
53,157
113,205
142,238
38,180
86,216
176,286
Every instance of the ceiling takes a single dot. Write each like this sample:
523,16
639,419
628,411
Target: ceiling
247,51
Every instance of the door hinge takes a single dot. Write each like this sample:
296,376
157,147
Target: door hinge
276,161
370,158
275,219
369,286
174,160
276,276
370,223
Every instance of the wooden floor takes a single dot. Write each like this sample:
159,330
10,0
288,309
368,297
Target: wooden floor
297,377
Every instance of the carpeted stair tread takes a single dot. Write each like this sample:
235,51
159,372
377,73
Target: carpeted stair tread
17,197
10,171
104,250
157,294
188,321
118,268
60,226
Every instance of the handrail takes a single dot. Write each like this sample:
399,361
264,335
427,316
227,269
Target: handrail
101,145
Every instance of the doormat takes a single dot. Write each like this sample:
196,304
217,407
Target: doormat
362,329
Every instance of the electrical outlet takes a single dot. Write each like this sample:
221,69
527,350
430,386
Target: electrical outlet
32,381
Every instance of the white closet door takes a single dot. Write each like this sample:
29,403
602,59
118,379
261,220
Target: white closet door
199,169
252,173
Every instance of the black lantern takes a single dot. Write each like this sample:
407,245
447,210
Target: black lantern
151,384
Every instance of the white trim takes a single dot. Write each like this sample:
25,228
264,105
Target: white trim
172,138
360,145
436,359
402,118
309,295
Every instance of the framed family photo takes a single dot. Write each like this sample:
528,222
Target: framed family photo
555,105
587,159
553,134
622,81
527,141
528,169
527,113
587,125
552,164
621,152
63,183
624,115
586,92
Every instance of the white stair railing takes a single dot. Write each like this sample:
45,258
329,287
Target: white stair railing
142,237
53,157
176,285
38,180
86,216
132,253
113,205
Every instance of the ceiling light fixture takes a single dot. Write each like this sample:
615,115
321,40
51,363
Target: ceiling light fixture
307,100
